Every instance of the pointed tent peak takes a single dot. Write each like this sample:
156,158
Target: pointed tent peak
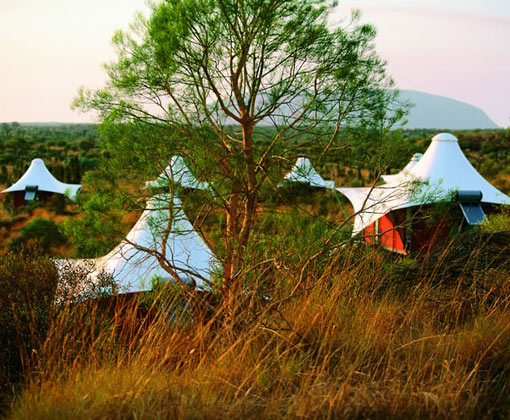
303,166
404,172
38,175
303,160
38,164
441,171
445,137
179,172
303,171
178,165
445,168
178,160
135,261
412,163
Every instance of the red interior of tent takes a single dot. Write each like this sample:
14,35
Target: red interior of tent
19,197
416,230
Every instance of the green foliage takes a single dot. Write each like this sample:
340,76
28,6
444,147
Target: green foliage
43,234
58,145
76,284
97,231
498,221
28,284
57,203
33,293
237,88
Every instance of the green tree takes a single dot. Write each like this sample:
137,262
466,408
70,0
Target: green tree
237,87
6,131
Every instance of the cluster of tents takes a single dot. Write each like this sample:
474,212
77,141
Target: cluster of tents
383,214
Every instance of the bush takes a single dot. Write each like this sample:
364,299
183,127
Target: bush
28,287
42,233
77,284
498,222
57,203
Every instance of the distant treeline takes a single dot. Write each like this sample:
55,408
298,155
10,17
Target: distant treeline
67,149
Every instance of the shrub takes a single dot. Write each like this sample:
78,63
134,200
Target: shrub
76,283
498,222
28,285
42,233
57,203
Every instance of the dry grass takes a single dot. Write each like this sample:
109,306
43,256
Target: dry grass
352,344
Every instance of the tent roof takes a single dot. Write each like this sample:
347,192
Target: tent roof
38,175
442,170
395,177
133,263
179,172
304,172
371,204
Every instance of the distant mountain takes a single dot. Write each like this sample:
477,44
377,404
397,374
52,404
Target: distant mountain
432,111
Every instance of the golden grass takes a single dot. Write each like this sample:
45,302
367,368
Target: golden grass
349,346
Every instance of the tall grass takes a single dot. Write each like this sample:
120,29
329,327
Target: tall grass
355,339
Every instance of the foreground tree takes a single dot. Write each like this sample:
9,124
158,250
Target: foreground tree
238,87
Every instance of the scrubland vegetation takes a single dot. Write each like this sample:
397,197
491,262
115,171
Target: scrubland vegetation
67,149
351,165
299,320
357,333
323,330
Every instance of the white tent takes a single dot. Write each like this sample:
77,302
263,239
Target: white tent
403,173
133,262
443,170
304,172
178,172
37,175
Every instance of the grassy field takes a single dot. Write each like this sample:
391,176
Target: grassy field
362,336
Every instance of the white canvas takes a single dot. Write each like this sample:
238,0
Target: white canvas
133,263
38,175
304,172
178,172
441,171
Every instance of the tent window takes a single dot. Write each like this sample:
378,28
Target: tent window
30,191
469,202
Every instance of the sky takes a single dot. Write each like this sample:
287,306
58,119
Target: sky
454,48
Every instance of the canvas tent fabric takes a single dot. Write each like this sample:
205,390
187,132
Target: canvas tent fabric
304,172
133,262
37,175
443,170
181,175
403,173
370,204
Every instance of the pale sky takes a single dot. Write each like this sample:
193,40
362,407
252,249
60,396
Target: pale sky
454,48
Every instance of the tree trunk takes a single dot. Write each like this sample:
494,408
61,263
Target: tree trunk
241,212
